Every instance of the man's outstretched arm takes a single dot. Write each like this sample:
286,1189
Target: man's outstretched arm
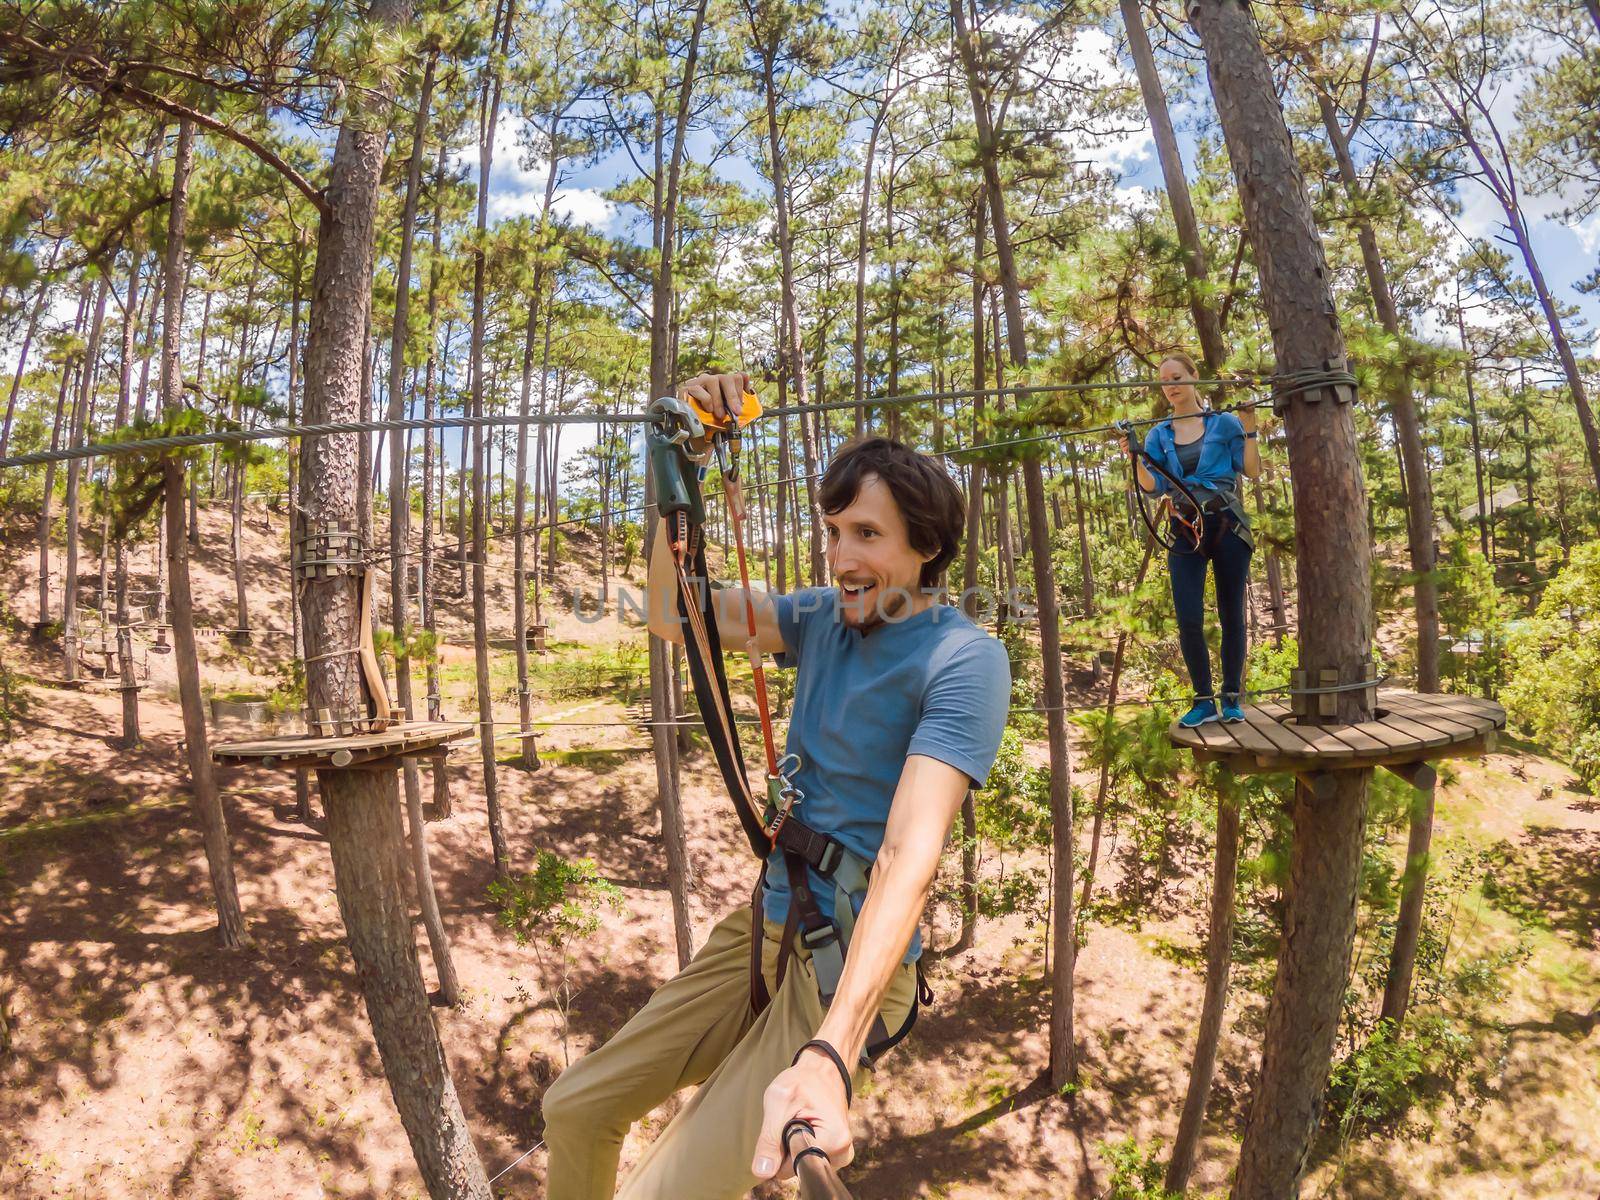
926,802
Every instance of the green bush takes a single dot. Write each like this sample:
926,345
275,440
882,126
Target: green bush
1553,694
1135,1172
1378,1083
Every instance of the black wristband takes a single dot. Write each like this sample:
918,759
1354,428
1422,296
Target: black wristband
844,1071
1251,434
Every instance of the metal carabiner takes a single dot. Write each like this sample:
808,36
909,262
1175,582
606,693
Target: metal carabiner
789,794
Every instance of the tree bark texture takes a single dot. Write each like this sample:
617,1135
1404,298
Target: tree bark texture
1206,324
1219,962
490,113
1334,557
207,803
70,641
366,842
1063,1051
364,832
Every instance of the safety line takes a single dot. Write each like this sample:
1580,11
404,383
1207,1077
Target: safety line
1302,381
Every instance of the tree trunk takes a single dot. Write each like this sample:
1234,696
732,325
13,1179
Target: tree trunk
1104,788
399,540
367,845
1504,192
1206,323
793,352
127,683
58,428
860,351
236,509
1477,440
27,343
1408,926
1419,489
490,112
79,433
207,803
1219,961
1063,1051
1419,529
1334,553
667,184
519,549
429,620
974,546
364,831
1085,560
302,777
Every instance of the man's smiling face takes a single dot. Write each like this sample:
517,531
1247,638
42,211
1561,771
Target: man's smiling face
871,558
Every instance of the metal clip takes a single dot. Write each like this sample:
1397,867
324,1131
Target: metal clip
675,421
788,794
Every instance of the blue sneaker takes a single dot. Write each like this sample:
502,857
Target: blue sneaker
1203,713
1232,710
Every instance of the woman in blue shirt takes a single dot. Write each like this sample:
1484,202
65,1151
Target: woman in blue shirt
1208,451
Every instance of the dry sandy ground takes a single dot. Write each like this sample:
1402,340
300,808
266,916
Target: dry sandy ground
147,1063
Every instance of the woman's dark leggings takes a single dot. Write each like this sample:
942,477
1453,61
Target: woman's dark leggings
1230,556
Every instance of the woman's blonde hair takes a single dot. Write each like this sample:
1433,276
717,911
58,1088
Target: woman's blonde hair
1179,356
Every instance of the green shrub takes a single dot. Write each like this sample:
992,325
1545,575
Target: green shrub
1135,1172
1553,694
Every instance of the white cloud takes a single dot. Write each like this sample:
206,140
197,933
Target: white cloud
1093,58
586,206
1137,198
1588,233
517,180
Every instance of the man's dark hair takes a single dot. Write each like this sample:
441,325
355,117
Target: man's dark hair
928,499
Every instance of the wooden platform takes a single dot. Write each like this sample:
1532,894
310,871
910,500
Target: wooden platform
388,747
1409,727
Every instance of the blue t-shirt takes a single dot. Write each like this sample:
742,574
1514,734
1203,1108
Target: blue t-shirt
933,684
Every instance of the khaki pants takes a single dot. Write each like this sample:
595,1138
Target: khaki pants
696,1029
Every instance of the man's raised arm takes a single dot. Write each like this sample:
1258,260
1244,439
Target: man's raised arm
718,395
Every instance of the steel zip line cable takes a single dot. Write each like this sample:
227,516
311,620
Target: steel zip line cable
182,441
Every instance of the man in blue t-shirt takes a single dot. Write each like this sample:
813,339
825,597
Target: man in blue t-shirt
899,704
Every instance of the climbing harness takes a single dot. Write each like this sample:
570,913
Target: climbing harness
1176,519
682,440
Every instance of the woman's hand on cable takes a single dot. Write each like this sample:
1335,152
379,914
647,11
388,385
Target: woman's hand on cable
813,1091
720,395
1247,418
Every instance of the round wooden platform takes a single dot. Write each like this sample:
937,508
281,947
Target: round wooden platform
1409,727
408,739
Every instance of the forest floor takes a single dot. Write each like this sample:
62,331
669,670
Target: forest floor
146,1062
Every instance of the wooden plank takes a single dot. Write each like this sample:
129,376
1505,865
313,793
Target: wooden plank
1262,735
1458,728
1357,738
1321,742
1391,739
1451,704
396,738
1444,701
1287,739
1479,714
1218,737
1423,736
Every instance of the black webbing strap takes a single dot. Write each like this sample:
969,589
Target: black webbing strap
710,680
